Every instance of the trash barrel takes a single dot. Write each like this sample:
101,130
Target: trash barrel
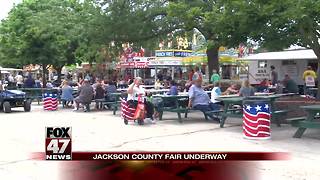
50,101
256,119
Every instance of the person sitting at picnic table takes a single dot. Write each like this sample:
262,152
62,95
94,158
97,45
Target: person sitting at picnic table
216,92
110,88
99,94
231,90
290,85
85,95
66,93
135,90
157,84
173,88
200,100
29,82
246,89
263,86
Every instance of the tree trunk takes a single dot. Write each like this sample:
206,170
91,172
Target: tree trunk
213,60
44,77
318,77
59,69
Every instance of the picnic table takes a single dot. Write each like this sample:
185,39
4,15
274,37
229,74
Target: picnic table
234,100
36,93
307,122
177,108
228,111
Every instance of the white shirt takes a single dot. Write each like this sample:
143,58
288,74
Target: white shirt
136,92
215,93
19,79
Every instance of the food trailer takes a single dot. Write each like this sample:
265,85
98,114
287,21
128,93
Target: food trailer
291,62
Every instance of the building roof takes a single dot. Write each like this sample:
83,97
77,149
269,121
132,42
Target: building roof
283,55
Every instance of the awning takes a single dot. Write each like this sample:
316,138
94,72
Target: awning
283,55
132,65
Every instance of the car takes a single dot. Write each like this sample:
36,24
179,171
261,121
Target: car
14,98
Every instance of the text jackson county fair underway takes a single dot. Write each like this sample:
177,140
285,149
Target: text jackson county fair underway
137,156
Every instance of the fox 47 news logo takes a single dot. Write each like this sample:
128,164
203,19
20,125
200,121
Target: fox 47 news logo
58,143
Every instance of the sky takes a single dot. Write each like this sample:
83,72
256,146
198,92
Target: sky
6,6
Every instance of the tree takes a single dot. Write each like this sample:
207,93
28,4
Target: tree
42,32
223,23
284,23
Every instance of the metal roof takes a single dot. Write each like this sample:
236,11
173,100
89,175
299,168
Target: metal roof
283,55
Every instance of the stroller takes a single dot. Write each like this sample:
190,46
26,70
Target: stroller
127,112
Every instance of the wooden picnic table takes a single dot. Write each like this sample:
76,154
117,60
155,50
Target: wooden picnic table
309,121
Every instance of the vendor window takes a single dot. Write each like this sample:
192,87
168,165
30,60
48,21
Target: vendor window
262,64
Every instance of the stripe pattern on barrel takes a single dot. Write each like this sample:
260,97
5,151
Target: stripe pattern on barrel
126,111
50,101
256,121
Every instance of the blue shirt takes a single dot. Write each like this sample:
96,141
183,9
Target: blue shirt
173,90
198,96
67,93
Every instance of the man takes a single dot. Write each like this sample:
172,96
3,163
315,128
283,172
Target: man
274,76
309,77
290,85
85,94
200,100
215,77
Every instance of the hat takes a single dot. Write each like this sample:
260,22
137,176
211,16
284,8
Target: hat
86,80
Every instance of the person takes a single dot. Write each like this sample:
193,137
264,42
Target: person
85,94
274,76
200,100
19,80
49,84
29,82
1,86
11,81
160,76
231,90
110,88
263,86
309,77
215,76
216,92
191,75
135,92
290,85
173,88
157,84
99,94
246,89
197,74
66,93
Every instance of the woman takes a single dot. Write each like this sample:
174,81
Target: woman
135,93
98,94
173,88
231,90
66,95
246,90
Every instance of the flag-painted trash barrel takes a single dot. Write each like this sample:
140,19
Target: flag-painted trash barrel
256,119
50,101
